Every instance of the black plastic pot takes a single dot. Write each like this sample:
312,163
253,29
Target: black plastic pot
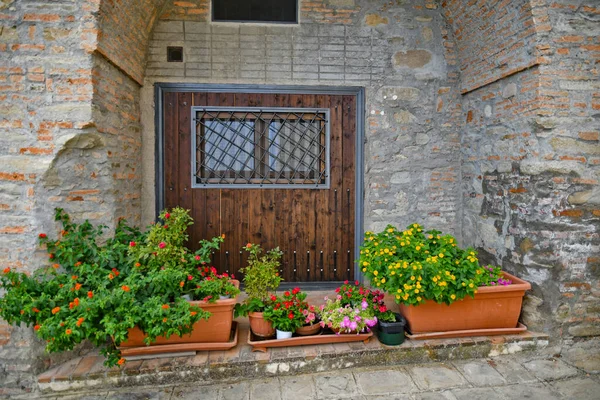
392,333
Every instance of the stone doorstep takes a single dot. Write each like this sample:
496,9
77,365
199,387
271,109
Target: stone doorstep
241,363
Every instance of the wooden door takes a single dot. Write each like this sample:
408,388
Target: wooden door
314,227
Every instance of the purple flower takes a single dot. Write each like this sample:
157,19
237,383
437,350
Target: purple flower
357,318
364,305
353,326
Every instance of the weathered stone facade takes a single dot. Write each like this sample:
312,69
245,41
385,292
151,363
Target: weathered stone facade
482,120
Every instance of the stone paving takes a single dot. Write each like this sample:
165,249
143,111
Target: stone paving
523,376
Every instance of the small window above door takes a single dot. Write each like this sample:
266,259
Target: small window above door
266,11
266,147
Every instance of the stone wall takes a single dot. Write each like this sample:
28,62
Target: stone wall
402,54
530,164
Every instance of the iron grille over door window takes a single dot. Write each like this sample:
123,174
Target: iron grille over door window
272,147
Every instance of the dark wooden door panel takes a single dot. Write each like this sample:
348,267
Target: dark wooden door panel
313,227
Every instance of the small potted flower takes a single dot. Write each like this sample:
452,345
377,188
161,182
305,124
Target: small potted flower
285,313
261,279
215,286
390,325
311,324
347,319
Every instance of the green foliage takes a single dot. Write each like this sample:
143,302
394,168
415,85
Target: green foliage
214,285
98,292
262,273
415,266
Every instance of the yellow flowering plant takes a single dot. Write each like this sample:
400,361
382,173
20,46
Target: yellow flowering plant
416,265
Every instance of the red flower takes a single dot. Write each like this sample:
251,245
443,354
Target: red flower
296,291
6,270
337,290
51,256
273,297
287,294
42,236
167,216
90,295
291,315
131,244
382,308
346,282
37,327
190,277
166,227
356,283
125,288
197,258
162,245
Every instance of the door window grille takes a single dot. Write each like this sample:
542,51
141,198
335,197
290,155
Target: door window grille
245,147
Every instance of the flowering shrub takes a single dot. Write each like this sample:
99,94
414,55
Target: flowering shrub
415,266
311,316
346,318
286,312
97,292
355,294
214,285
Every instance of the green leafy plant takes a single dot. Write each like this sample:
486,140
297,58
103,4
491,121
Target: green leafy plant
97,292
214,285
416,266
261,279
286,312
355,294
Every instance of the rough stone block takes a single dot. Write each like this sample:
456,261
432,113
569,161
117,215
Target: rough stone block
439,376
381,382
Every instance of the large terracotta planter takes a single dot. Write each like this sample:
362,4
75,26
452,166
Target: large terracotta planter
493,307
215,329
260,326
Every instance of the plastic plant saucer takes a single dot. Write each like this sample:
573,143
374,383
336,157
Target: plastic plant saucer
467,333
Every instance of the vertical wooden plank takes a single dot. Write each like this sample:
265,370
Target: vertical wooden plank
184,104
335,193
310,221
282,202
298,218
213,198
254,195
171,148
242,232
348,190
323,217
198,195
267,206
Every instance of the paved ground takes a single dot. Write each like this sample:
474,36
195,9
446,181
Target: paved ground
525,376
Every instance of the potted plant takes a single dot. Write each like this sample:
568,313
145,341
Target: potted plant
285,313
261,279
347,319
99,292
390,325
439,286
311,324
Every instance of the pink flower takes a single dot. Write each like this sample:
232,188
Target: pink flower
353,326
364,305
197,258
190,277
162,245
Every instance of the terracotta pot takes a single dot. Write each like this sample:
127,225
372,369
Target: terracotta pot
308,330
492,307
260,327
215,329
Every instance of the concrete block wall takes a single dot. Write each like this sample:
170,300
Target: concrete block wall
402,54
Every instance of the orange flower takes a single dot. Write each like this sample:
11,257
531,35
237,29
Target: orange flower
62,324
77,286
181,283
68,331
37,327
90,294
78,263
192,313
114,270
55,310
64,233
55,266
76,301
80,321
74,277
223,236
35,309
22,312
249,245
6,270
165,306
164,320
110,276
121,361
71,305
125,288
138,264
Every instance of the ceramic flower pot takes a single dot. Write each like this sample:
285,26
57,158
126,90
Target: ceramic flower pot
283,334
391,333
308,330
260,327
493,307
215,329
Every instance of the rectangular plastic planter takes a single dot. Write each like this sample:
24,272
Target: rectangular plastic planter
493,307
215,329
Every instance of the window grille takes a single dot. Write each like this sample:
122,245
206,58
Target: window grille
246,147
272,11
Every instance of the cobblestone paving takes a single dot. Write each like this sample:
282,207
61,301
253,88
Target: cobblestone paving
503,378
